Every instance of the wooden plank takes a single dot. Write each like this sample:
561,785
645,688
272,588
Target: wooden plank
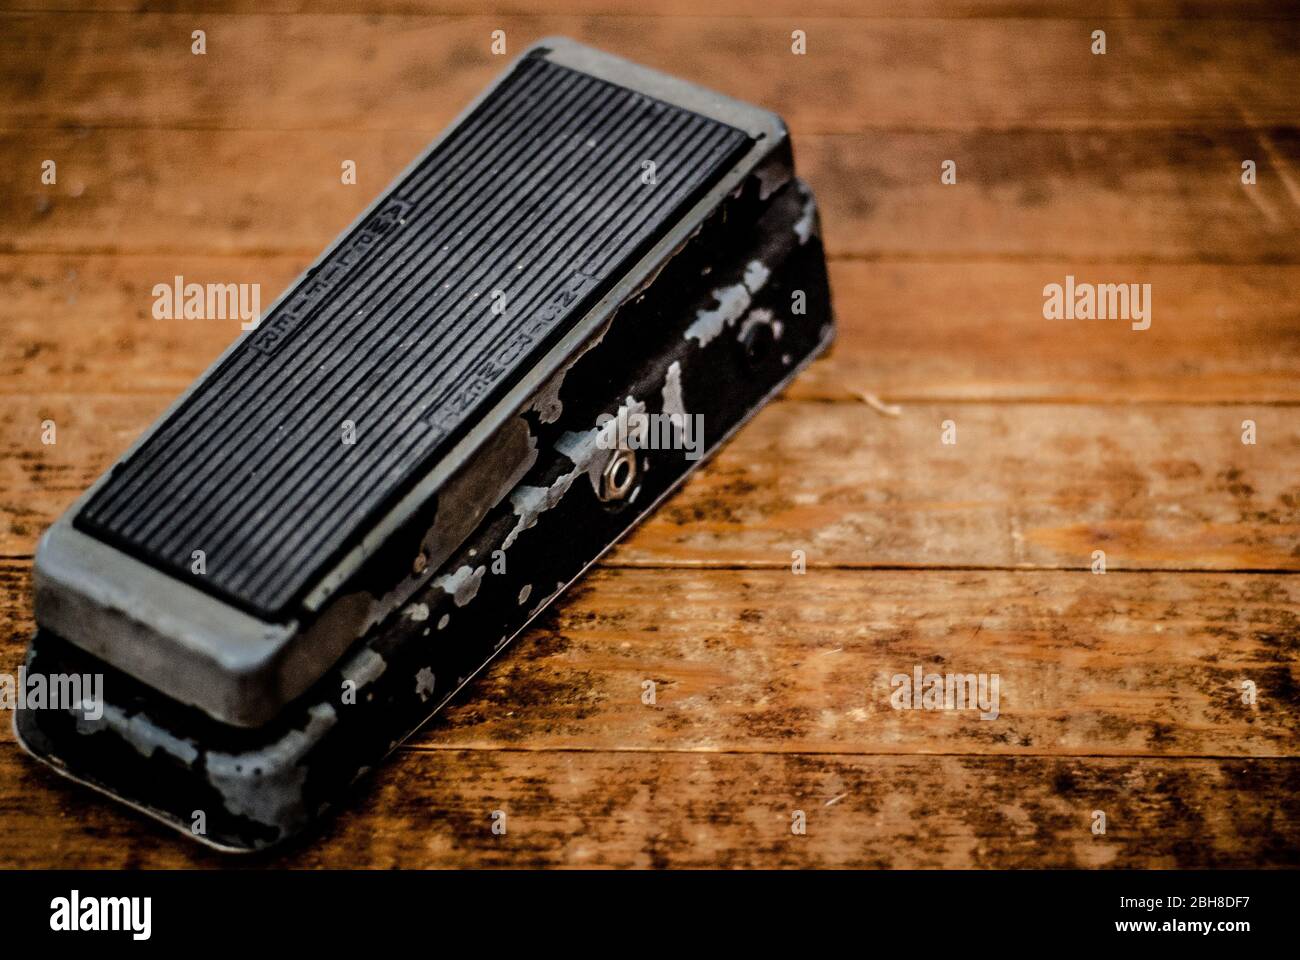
1035,195
402,72
1028,486
921,331
768,662
1020,195
434,809
1040,486
853,9
85,323
908,331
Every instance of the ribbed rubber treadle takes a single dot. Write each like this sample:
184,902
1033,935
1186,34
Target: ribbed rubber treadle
538,194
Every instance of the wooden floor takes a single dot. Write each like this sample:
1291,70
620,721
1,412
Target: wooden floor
1120,693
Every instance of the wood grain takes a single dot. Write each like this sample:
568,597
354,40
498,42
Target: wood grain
769,662
1020,195
1119,692
81,324
1024,486
374,72
853,9
602,809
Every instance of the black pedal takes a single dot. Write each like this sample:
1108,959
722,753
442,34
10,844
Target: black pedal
569,300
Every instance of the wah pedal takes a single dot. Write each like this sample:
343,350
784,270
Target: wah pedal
561,308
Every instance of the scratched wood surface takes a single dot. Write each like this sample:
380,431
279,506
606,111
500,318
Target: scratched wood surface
1119,692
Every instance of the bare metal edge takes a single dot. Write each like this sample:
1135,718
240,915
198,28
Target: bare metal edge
54,763
123,583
